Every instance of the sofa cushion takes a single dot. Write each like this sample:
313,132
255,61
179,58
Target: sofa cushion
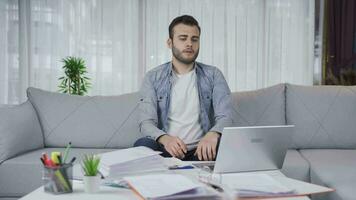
324,116
335,168
93,122
20,130
23,174
259,107
295,166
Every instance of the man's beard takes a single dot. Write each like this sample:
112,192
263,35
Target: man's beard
178,55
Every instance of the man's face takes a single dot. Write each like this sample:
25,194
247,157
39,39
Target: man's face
185,43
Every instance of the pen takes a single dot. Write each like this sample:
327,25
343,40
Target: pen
66,152
59,159
62,180
44,163
73,159
55,158
50,163
214,185
181,167
44,156
101,175
47,162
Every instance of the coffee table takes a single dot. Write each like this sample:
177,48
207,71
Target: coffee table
113,193
107,193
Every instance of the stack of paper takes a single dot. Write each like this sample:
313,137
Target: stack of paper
169,186
131,160
257,185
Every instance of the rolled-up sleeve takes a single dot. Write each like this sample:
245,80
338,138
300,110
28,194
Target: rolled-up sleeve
222,103
148,118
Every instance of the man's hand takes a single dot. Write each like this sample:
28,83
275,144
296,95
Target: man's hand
206,149
174,145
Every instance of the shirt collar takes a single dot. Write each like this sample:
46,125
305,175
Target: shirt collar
172,72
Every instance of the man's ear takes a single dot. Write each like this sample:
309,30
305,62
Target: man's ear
169,43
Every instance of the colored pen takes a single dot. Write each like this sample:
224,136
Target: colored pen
44,156
59,159
101,175
44,163
66,151
55,158
46,160
181,167
73,159
50,163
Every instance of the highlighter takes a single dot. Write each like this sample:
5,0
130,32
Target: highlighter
54,157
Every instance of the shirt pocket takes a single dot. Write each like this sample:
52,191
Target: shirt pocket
161,101
207,99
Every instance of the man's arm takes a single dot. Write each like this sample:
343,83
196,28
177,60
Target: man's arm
148,119
222,103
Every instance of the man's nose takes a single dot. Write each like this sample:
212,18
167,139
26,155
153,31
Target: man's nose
189,43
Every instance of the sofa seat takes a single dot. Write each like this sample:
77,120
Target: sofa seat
335,168
295,166
16,172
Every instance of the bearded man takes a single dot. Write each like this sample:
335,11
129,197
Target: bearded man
184,104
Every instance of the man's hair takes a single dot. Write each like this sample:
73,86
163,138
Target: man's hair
184,19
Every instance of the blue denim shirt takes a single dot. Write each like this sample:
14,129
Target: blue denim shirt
214,97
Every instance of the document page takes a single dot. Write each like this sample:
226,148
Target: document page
256,185
126,155
159,185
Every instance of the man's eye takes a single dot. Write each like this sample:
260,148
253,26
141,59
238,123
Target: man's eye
182,39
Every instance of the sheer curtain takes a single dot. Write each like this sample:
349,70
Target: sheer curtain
38,34
255,43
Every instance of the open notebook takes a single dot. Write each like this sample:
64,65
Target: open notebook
169,186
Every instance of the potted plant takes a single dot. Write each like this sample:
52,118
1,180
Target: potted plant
75,80
90,165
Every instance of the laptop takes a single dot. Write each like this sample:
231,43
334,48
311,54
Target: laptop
254,148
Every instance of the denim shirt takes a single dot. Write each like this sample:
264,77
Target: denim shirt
155,93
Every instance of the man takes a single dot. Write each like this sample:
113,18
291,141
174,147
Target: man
184,104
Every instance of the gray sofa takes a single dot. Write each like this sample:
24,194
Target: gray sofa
323,149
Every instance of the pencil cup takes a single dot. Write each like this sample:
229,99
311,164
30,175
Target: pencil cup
58,179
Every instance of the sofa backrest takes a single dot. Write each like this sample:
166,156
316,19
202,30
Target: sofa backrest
324,116
95,122
20,130
261,107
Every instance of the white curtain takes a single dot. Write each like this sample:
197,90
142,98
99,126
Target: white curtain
256,43
40,33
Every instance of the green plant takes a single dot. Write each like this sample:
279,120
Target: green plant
74,81
90,164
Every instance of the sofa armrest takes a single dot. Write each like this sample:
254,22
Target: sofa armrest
20,130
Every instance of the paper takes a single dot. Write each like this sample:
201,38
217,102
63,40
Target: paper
126,155
302,188
158,185
256,185
123,162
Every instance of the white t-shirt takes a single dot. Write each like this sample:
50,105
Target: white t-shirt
183,114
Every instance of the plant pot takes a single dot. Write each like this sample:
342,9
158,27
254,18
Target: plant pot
92,183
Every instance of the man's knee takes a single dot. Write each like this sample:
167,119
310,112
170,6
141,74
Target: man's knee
147,142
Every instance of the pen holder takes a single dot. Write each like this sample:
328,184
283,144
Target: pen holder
58,179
